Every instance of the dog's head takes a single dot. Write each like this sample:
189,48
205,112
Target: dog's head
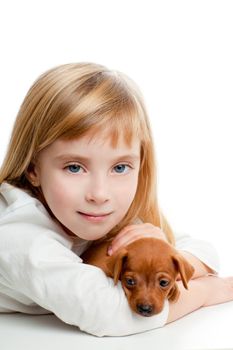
148,269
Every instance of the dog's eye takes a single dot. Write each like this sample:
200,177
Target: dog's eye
164,283
130,281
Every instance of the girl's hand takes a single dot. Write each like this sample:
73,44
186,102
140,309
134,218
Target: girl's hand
131,233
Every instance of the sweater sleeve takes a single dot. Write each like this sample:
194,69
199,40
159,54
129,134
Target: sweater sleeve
202,249
37,265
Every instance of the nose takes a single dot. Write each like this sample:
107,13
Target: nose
145,309
97,190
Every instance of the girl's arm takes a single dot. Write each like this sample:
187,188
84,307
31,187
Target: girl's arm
201,269
203,291
200,253
37,270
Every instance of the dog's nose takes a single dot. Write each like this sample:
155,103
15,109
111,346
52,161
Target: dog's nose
145,309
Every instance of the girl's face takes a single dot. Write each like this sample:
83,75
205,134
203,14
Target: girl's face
88,185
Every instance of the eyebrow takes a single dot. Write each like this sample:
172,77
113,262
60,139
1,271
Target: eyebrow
65,157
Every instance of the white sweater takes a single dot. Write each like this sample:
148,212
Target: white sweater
41,272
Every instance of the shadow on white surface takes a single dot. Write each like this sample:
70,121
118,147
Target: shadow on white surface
207,328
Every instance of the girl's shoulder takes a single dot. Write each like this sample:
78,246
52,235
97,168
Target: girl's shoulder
12,193
13,198
18,207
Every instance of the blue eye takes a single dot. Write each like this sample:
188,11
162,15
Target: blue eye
120,168
74,168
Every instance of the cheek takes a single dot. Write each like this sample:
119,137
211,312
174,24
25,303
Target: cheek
126,191
57,193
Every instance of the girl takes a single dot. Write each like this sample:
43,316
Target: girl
80,166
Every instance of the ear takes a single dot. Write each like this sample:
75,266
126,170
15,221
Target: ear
32,175
185,269
115,264
174,293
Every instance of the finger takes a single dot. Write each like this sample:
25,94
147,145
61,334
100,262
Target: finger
128,228
124,231
119,241
132,232
129,238
129,233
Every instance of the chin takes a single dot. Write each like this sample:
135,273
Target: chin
91,237
91,233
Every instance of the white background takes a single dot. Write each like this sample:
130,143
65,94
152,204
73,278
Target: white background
180,53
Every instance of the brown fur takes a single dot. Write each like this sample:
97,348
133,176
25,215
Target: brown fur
142,266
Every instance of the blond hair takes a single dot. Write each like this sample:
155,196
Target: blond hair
70,101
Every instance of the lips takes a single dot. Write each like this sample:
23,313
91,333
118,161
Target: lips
94,214
94,217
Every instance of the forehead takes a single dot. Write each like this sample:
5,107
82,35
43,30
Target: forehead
153,263
150,257
93,145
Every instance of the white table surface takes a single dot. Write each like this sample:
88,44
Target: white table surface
206,328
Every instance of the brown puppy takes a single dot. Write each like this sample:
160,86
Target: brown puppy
148,269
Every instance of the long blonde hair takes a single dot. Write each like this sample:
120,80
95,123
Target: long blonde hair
70,101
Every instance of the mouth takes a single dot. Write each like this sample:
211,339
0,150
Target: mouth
94,217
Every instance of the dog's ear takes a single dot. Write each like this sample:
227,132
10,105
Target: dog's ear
185,269
115,264
174,293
